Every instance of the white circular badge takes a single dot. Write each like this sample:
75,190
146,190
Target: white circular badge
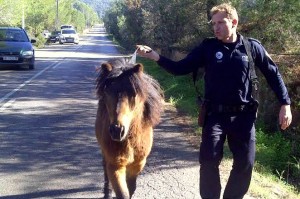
219,55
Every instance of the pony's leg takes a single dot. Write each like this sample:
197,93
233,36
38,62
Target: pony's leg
107,185
133,171
117,177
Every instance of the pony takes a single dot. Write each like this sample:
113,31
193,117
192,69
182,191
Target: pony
130,104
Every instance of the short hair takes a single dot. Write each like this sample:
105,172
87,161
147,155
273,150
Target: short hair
227,8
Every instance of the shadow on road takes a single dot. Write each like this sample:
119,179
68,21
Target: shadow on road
51,193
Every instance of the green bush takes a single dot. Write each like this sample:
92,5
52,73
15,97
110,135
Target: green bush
273,151
40,41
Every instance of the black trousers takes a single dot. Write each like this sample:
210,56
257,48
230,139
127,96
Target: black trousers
240,133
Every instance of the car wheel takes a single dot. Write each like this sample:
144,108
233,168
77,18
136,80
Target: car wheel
31,67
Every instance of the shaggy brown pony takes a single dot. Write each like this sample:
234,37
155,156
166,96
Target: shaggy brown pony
130,105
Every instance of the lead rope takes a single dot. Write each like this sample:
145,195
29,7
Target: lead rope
133,58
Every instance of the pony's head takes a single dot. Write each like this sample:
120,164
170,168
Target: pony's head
127,95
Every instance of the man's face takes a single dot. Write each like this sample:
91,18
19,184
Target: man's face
223,27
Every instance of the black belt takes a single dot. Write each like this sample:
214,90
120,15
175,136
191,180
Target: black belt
221,108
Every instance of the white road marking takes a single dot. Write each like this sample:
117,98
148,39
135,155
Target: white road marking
54,67
5,105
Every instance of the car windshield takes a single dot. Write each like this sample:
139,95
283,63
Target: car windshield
13,35
64,31
55,33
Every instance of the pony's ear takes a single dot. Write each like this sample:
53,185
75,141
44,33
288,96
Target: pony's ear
138,68
106,67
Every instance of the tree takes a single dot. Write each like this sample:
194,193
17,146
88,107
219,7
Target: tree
100,6
41,15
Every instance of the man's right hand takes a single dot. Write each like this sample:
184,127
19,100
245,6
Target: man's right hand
147,52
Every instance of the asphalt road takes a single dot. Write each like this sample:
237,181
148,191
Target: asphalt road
48,147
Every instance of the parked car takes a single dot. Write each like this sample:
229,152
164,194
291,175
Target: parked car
68,35
54,37
16,48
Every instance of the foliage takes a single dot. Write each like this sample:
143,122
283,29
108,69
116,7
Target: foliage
274,22
181,24
100,6
40,15
276,153
273,150
162,24
40,41
112,19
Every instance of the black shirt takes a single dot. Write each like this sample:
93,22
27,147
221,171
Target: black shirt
227,71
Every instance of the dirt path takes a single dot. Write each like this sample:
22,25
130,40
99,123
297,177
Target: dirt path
172,168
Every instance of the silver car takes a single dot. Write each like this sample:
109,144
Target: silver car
68,35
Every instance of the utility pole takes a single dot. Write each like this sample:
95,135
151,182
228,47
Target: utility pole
23,15
56,20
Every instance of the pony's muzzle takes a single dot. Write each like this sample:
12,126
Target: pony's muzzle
117,132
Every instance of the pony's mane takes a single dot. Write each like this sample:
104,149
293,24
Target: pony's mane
143,84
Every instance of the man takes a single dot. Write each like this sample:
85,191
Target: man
231,107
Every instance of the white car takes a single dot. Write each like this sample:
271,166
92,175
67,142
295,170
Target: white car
68,35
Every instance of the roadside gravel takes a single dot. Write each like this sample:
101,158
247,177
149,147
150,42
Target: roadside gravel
172,169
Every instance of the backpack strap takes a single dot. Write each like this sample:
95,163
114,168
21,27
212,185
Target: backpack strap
198,74
253,76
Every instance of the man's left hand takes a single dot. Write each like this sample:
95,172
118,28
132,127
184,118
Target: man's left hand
285,116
